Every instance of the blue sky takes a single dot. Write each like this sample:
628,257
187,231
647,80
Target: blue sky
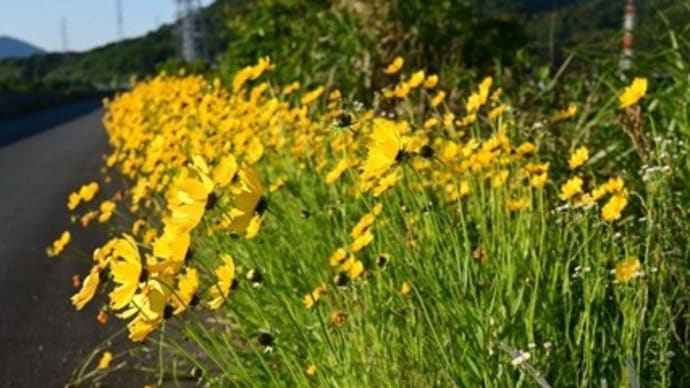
90,23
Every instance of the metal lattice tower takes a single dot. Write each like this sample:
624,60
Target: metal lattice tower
120,20
628,27
191,31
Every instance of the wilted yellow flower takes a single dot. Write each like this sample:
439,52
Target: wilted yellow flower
578,158
565,114
633,93
627,269
395,66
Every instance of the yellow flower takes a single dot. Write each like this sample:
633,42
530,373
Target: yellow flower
88,289
291,88
526,149
571,188
514,205
187,286
88,192
314,296
540,180
337,257
105,360
312,95
125,268
387,182
225,171
633,93
337,171
416,79
565,114
249,202
614,185
496,112
438,98
253,227
499,178
107,208
353,267
363,225
73,201
385,149
430,81
334,95
578,158
59,244
226,276
431,122
395,66
311,370
612,210
405,289
627,269
361,241
401,91
467,120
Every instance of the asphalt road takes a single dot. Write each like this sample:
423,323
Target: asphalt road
42,338
16,127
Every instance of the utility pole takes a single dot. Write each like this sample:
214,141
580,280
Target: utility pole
628,27
63,34
120,20
191,30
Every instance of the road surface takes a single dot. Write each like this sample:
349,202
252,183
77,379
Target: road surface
42,338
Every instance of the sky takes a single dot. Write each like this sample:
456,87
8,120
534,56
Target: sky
89,23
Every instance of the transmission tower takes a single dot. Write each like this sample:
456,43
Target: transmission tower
63,34
120,20
191,31
628,27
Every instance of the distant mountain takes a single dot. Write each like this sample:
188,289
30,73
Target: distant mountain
15,48
116,62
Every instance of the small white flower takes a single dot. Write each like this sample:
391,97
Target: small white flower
521,358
